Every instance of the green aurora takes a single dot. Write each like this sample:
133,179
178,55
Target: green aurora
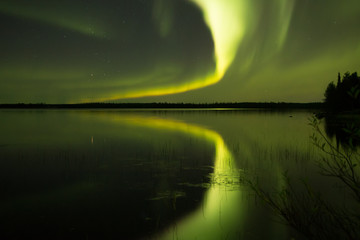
175,50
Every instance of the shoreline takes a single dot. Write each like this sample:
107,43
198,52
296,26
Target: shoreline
241,105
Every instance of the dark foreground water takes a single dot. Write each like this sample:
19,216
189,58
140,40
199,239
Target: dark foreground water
148,174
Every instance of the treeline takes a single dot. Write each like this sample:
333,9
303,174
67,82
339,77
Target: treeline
265,105
345,94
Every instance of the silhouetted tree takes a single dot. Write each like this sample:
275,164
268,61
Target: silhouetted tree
330,95
345,95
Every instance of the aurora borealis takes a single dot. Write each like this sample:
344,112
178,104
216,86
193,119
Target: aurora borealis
175,50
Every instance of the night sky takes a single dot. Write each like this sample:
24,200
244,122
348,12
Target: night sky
175,50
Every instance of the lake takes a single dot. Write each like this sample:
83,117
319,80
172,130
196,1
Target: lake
150,174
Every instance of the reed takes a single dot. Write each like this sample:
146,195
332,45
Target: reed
306,209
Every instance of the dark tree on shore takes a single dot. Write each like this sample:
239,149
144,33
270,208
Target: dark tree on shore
345,95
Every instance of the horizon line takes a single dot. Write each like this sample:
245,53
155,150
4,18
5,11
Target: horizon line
167,105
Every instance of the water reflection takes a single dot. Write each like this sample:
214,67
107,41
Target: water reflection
342,129
93,174
137,174
221,209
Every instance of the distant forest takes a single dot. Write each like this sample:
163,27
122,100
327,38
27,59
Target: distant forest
265,105
345,94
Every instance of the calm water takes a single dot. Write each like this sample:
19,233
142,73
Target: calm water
154,174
